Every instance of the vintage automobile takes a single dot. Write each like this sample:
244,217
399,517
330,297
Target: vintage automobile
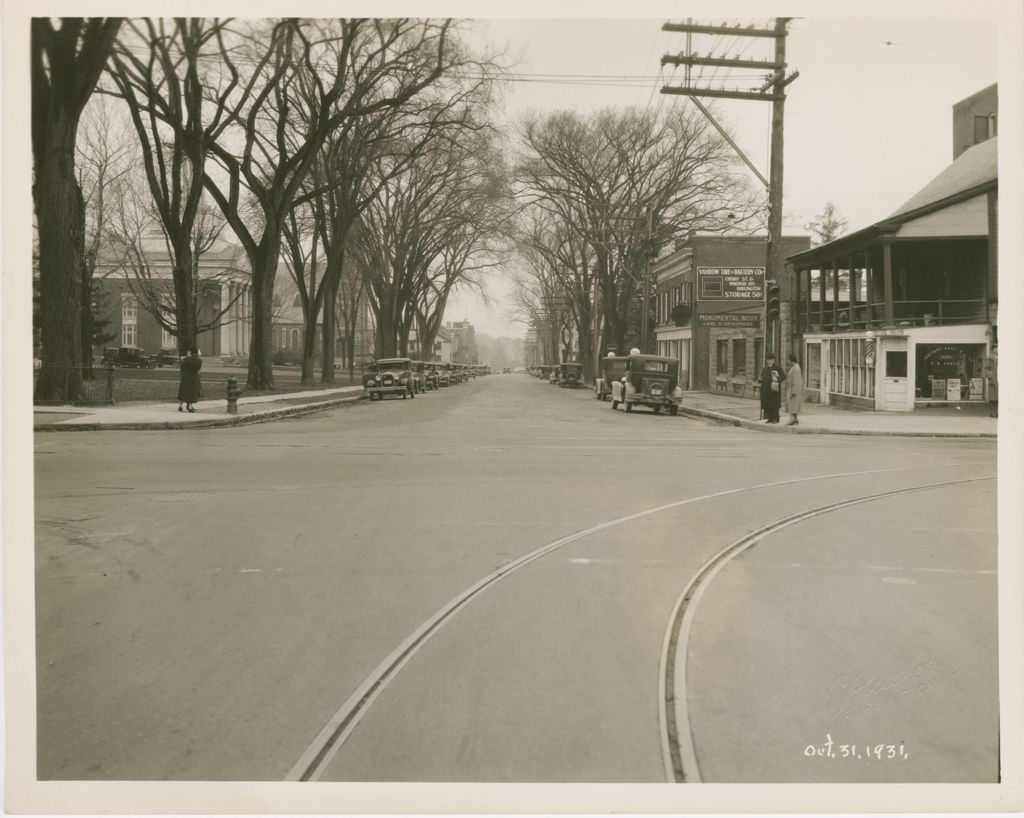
430,375
570,375
389,376
612,369
129,357
651,380
442,374
419,376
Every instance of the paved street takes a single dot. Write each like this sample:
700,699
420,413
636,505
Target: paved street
508,581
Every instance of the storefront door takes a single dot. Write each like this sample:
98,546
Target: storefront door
895,383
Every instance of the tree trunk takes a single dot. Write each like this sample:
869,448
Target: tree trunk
264,269
60,213
309,340
186,309
329,329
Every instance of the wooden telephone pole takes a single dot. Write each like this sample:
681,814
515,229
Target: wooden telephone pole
772,91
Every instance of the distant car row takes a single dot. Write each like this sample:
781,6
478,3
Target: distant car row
634,380
135,358
406,377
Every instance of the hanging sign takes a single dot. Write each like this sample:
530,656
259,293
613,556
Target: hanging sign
730,283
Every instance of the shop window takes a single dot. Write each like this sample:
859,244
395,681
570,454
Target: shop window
722,364
949,371
739,357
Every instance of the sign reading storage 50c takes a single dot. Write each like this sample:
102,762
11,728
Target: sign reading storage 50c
730,283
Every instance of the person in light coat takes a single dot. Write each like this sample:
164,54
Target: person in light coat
794,390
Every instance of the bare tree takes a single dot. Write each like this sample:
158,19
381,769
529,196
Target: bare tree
104,159
306,78
66,63
161,68
827,225
625,182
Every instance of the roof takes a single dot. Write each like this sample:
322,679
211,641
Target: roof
975,167
972,173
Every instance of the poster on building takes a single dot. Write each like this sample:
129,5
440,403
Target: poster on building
953,389
729,319
938,388
730,283
977,389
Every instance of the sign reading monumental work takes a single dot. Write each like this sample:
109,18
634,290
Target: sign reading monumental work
730,283
728,319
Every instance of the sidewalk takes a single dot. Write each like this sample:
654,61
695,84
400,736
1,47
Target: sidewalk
970,421
208,412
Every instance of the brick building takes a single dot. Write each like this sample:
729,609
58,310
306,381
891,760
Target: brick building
710,309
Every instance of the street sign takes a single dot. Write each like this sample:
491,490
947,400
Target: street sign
730,283
729,319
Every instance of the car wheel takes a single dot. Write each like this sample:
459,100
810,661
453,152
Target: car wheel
657,410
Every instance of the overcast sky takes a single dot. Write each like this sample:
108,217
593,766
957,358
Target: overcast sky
868,121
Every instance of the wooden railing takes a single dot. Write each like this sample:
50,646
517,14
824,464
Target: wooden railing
940,312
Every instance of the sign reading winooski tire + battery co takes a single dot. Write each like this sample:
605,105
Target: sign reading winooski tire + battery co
730,283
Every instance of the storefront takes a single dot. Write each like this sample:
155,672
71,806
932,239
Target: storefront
675,343
897,369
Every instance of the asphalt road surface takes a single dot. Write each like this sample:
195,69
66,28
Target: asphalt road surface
508,581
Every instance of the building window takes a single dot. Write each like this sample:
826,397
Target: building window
129,321
167,340
980,129
722,364
848,369
739,357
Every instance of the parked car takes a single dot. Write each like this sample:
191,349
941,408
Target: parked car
167,357
612,369
442,375
389,376
651,380
570,375
128,357
419,376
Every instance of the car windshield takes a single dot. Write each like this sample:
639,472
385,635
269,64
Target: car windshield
398,364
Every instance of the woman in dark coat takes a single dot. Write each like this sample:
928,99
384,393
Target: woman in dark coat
772,377
188,388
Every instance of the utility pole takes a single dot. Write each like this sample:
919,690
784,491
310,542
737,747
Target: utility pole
773,90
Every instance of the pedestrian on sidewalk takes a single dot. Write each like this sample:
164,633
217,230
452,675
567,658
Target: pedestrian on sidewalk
772,378
794,390
188,386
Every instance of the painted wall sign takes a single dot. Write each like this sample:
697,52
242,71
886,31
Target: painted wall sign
730,283
724,319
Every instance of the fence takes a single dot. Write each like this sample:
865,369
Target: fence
79,386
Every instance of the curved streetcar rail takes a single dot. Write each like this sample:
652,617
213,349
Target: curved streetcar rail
678,752
314,760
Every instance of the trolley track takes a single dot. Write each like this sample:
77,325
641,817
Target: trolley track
314,760
678,750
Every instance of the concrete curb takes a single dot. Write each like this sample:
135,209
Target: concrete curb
227,420
760,426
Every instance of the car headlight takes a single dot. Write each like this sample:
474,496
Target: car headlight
376,378
403,380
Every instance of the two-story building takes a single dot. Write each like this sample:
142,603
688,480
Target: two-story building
129,283
903,313
710,312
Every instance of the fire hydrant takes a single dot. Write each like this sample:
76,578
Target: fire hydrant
234,393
